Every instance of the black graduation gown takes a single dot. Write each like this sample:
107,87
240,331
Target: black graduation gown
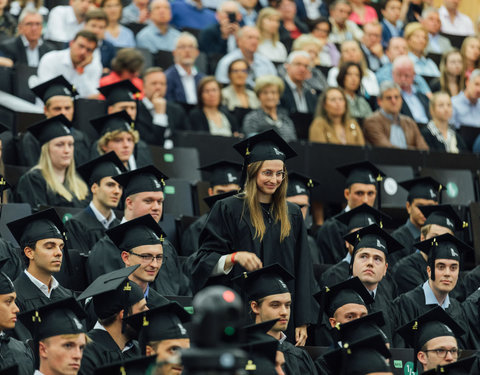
16,352
155,299
471,310
228,229
14,265
190,238
84,230
404,236
32,189
103,351
297,361
315,253
471,281
410,272
171,281
329,238
383,303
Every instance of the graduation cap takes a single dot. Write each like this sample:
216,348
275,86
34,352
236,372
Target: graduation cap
136,366
53,127
373,237
115,121
423,188
143,230
223,173
363,216
106,165
6,285
461,367
362,172
160,323
434,323
264,282
443,215
123,91
113,292
445,246
257,331
148,178
355,330
61,317
211,200
338,295
361,357
260,347
39,226
57,86
299,184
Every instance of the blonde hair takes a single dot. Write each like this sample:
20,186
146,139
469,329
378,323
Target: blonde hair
109,136
305,40
73,182
278,209
71,336
264,81
434,99
411,28
265,13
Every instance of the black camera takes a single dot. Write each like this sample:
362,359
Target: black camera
232,17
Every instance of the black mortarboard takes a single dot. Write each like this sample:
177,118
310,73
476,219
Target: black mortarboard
107,165
348,291
445,246
6,285
260,346
422,187
113,292
11,370
212,199
39,226
355,330
461,367
123,91
264,282
148,178
136,366
299,184
362,172
61,317
373,237
362,216
223,173
160,323
57,86
361,357
443,215
257,331
115,121
434,323
51,128
143,230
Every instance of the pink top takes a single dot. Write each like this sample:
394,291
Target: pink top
370,15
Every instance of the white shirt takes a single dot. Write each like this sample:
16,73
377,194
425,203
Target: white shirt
105,222
43,287
188,82
54,63
312,8
37,373
33,55
369,81
461,25
159,119
299,97
62,24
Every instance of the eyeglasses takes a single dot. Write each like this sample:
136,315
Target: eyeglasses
442,353
270,174
148,258
245,71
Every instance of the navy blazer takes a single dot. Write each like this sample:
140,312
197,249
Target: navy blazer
425,103
386,34
108,52
288,101
14,49
302,12
175,90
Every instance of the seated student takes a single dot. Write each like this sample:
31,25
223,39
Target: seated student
140,241
137,365
54,180
88,226
11,351
114,298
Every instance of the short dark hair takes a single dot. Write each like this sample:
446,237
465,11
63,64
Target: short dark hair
337,2
96,14
320,20
230,67
31,245
343,72
384,3
129,59
201,85
87,35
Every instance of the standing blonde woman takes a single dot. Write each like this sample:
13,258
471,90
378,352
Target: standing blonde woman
268,23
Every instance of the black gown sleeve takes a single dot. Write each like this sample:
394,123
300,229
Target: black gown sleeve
32,189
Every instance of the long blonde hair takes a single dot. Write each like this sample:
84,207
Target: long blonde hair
266,13
72,180
278,210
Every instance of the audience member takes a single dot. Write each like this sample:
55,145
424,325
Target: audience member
308,12
136,12
18,6
431,22
417,39
96,21
454,22
77,64
268,23
387,127
466,105
119,35
332,122
158,34
372,47
248,38
191,14
470,51
392,26
65,21
127,64
209,116
248,11
329,55
8,24
269,89
342,28
452,74
290,26
236,94
183,77
361,13
28,47
438,134
349,79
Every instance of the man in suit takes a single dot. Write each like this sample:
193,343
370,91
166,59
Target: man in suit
436,43
387,127
28,47
158,118
183,77
296,97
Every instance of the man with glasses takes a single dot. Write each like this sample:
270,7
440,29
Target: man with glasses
371,46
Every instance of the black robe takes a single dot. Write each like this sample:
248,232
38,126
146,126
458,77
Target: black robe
410,272
16,352
471,281
297,360
471,310
155,299
103,351
170,281
190,238
84,230
32,188
330,240
229,229
404,236
315,253
14,265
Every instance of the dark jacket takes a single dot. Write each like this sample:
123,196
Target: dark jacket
108,52
210,40
14,49
175,90
285,37
425,103
199,121
288,101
